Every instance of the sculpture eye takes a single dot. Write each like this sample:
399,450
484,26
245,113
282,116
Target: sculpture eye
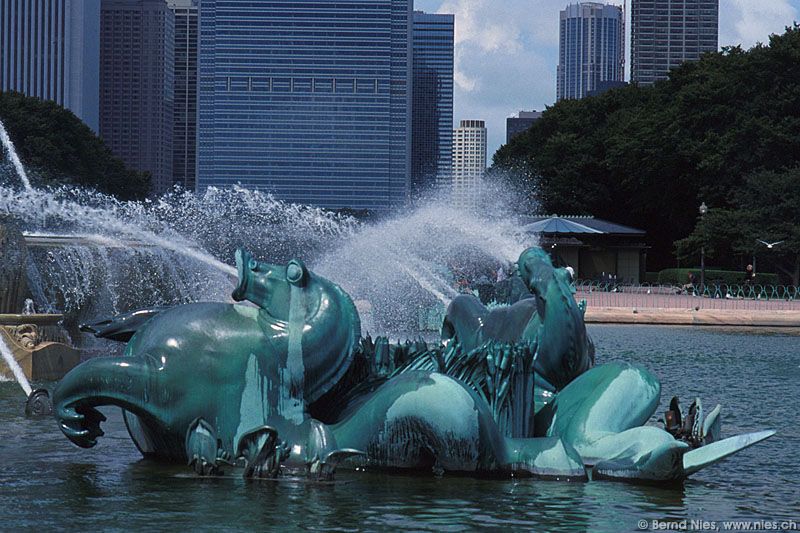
295,271
252,264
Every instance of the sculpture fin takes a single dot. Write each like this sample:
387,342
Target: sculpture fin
717,451
712,426
121,327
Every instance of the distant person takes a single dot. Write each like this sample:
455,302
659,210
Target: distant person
691,280
749,275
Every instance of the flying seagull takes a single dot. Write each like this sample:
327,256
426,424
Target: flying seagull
769,244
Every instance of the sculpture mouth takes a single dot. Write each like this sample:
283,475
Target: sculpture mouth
243,259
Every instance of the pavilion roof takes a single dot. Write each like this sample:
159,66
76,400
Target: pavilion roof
577,225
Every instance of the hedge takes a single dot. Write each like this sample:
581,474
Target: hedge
680,276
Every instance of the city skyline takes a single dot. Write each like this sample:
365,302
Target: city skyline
486,39
517,41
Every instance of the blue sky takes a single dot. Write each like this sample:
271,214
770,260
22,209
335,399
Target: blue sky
507,50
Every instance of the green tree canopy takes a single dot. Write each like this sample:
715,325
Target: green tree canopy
765,209
648,156
60,149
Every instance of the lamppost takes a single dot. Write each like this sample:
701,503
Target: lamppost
703,210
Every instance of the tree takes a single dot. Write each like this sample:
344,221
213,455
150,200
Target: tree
648,156
765,209
60,149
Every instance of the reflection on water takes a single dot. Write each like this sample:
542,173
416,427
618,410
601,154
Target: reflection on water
46,482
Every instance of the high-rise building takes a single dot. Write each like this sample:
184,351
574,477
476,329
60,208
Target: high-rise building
137,39
591,48
184,129
49,49
665,33
307,100
520,123
432,101
469,161
605,86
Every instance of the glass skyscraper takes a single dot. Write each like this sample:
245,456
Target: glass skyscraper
307,100
184,134
48,49
591,48
665,33
137,43
432,107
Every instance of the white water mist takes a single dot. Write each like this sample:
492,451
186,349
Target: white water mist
8,357
122,255
12,155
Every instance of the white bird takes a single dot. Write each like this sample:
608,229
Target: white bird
769,244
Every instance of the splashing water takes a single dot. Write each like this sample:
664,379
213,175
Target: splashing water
177,249
14,366
112,256
407,263
50,208
12,155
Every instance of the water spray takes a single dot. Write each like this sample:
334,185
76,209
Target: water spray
12,155
38,403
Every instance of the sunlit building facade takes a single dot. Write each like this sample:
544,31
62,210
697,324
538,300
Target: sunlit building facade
591,48
469,161
665,33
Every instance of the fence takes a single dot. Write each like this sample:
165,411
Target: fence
714,296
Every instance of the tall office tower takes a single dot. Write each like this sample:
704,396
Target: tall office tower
591,48
520,123
49,49
665,33
307,100
136,85
184,129
469,161
432,101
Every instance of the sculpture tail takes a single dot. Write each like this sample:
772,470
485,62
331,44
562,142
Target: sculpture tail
709,454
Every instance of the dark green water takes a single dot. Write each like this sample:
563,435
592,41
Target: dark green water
47,483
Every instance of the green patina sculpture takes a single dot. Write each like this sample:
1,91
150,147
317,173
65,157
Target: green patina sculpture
289,384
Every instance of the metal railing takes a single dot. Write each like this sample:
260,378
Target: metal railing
689,296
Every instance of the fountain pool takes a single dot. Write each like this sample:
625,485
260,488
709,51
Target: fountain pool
48,483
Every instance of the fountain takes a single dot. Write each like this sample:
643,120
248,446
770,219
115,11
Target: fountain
287,385
285,382
91,255
33,345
